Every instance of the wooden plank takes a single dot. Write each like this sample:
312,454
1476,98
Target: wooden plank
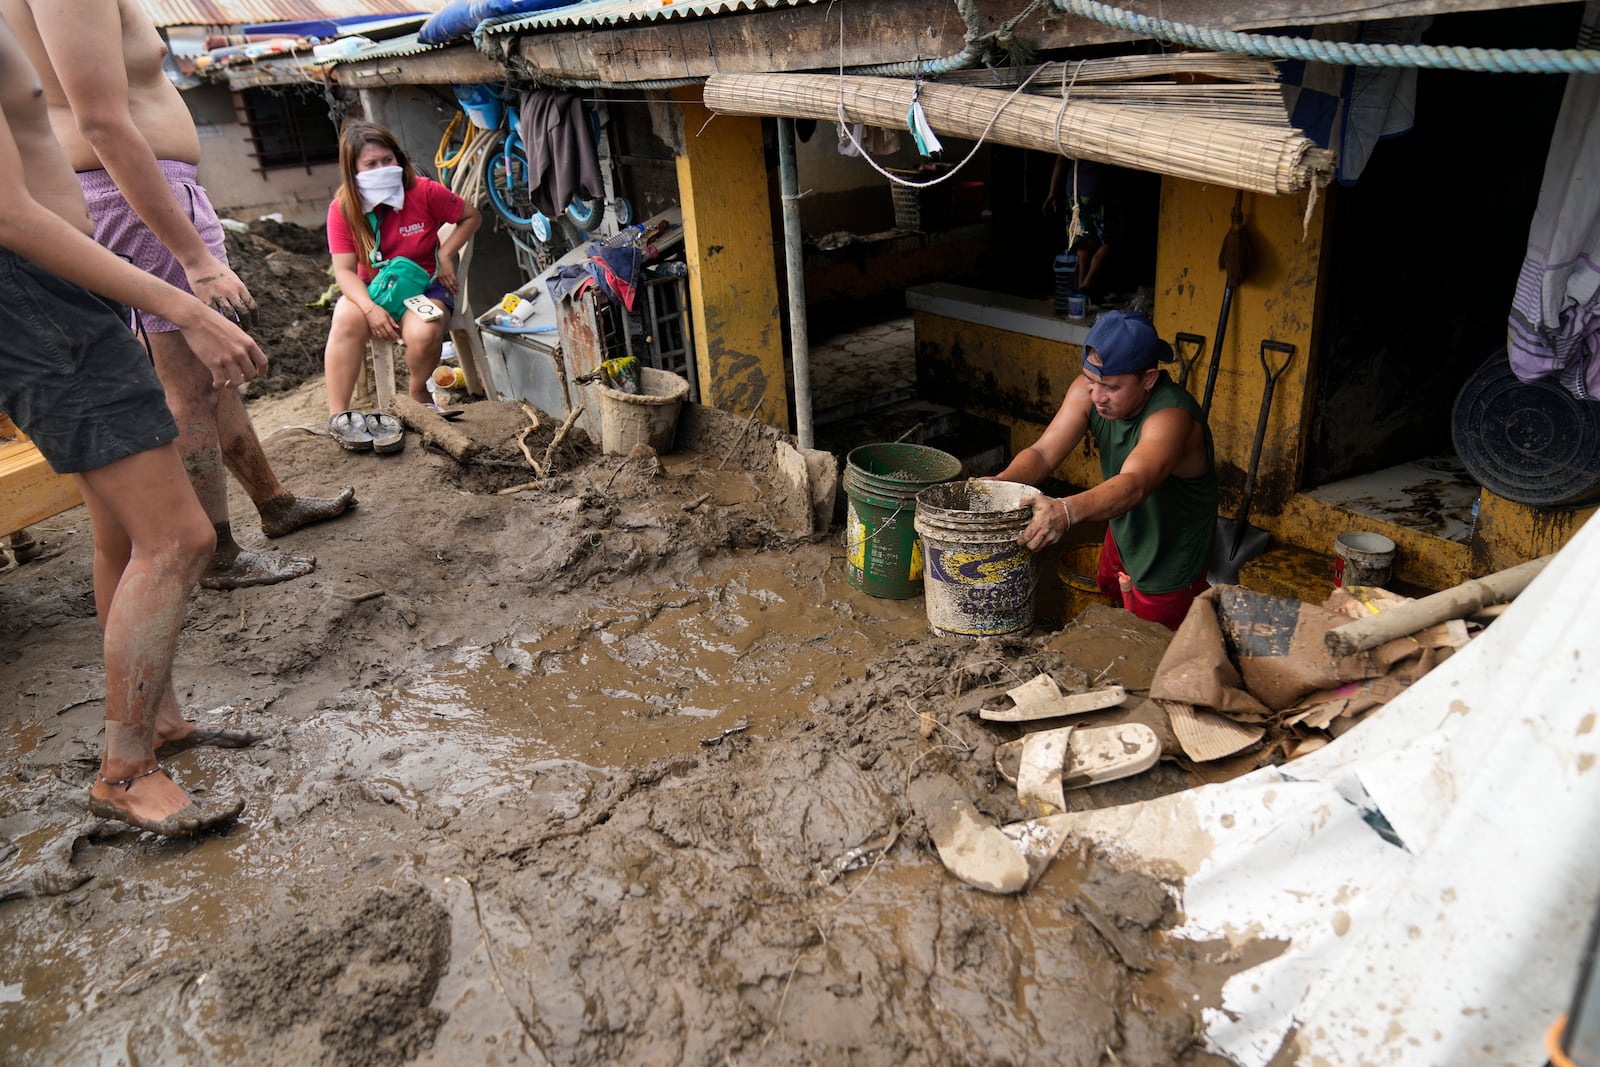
457,63
895,31
29,490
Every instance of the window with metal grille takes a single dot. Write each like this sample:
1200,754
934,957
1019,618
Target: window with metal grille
289,127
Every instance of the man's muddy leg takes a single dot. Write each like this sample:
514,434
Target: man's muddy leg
112,551
282,512
193,400
151,543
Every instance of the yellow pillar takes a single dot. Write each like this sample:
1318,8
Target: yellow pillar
733,281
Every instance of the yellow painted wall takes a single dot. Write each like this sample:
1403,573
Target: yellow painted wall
1509,533
733,283
1276,301
1015,379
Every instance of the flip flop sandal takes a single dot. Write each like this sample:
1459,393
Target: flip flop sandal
349,428
385,432
211,737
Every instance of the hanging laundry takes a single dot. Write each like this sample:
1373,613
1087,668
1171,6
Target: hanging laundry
559,138
1554,328
874,140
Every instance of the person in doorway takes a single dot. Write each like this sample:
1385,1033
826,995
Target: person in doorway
80,385
1078,187
385,209
1159,492
128,134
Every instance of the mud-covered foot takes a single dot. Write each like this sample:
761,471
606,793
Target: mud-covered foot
287,513
235,568
190,734
156,803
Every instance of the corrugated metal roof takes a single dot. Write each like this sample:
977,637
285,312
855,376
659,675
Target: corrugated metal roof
399,46
614,12
239,12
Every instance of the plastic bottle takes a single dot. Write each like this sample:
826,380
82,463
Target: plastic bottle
1066,271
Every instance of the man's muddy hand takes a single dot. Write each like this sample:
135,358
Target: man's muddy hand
1051,520
220,288
229,353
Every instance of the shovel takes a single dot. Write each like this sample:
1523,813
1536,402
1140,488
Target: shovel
1187,361
1237,542
1234,259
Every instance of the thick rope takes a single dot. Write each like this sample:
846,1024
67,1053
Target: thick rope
1353,54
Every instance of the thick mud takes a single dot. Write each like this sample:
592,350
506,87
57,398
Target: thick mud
610,770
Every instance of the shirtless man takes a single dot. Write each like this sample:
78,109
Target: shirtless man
1158,493
133,143
80,385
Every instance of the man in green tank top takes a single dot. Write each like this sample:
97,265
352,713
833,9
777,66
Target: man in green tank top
1158,492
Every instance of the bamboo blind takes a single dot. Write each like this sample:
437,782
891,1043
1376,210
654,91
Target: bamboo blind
1263,158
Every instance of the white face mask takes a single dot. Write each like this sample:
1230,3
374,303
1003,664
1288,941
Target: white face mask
381,185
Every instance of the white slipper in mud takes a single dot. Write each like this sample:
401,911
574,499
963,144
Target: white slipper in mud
991,858
1092,754
1042,699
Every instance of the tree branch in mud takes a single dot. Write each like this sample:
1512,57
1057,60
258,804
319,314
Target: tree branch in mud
561,435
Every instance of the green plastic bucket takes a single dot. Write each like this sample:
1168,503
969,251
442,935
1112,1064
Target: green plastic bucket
883,556
979,580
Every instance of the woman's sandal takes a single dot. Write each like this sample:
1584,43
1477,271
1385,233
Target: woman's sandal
386,432
191,819
349,428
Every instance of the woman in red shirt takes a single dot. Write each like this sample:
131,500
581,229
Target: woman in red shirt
378,177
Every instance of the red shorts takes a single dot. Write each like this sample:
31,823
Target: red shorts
1166,608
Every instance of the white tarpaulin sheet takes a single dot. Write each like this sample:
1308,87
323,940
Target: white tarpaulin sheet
1458,945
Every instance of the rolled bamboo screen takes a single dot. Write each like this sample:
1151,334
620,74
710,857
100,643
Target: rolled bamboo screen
1260,158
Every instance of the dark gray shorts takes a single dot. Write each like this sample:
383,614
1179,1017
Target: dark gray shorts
71,375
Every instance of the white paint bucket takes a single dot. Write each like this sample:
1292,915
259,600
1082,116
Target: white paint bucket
1361,558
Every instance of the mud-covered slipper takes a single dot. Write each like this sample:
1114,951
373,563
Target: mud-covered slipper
211,737
349,428
386,432
190,820
995,859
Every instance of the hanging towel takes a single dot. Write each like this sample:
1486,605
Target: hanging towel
1554,328
560,142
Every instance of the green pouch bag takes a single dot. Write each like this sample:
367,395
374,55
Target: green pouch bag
398,279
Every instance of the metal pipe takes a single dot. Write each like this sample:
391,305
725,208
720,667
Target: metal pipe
794,260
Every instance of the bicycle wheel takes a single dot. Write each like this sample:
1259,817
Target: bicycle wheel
585,213
507,179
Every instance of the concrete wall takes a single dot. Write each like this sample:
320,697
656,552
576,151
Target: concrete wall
227,169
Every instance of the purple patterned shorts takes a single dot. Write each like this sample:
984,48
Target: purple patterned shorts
118,227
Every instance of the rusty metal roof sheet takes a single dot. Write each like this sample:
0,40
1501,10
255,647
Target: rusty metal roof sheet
242,12
615,12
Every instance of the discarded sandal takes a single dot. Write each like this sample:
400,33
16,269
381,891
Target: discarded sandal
386,433
1044,763
211,737
190,820
349,428
995,859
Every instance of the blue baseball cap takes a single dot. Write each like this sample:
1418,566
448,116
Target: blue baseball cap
1126,343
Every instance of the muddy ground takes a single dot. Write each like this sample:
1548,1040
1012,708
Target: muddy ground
611,770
